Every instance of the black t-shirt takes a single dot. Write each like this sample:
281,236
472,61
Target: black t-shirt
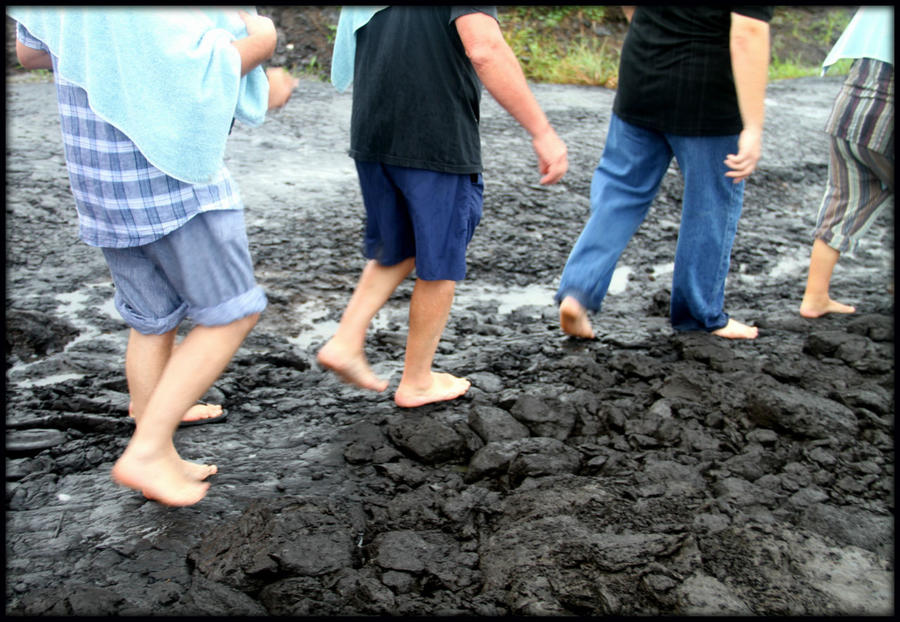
415,93
675,71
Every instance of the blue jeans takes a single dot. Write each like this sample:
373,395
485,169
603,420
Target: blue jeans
624,185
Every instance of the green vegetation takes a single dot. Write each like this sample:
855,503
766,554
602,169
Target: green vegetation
784,70
560,44
581,44
34,75
799,43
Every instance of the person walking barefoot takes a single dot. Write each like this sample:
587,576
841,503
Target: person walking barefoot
152,191
861,166
705,109
419,167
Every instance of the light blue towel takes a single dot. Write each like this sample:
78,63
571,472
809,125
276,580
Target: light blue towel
870,34
342,60
169,79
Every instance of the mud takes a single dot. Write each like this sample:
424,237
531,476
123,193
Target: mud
646,472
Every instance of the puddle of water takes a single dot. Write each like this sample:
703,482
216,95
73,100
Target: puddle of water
791,265
319,332
619,281
71,304
662,269
318,327
508,299
40,382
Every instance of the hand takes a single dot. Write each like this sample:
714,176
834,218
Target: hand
258,25
259,44
553,161
281,86
744,161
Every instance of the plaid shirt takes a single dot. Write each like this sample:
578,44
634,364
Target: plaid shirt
122,199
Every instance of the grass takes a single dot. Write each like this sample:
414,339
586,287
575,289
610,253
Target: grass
583,58
786,70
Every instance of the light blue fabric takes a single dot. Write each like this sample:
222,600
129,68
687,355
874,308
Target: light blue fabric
169,79
342,60
870,34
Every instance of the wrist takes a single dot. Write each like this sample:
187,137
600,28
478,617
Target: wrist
545,129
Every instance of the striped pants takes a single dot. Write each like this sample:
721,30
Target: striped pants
860,183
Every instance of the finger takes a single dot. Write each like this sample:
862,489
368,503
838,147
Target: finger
553,175
738,177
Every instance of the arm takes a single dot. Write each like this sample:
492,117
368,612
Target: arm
628,10
258,47
281,86
749,42
498,69
31,58
259,44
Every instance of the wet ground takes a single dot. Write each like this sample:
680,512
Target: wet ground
646,472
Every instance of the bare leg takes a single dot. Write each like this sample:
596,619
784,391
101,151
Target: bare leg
146,373
816,300
344,353
150,462
195,412
428,312
573,319
735,330
145,359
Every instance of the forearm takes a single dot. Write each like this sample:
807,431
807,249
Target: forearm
255,50
499,70
31,58
750,66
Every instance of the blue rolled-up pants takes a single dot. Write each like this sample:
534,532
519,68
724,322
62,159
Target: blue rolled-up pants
624,185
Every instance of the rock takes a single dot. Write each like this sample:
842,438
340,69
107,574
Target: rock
494,424
278,539
522,458
702,595
400,550
33,440
543,418
830,342
427,439
299,596
876,327
799,412
214,598
31,334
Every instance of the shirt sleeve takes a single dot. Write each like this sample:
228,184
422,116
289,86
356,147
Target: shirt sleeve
29,40
459,11
764,13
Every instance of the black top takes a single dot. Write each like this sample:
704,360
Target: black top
415,93
675,70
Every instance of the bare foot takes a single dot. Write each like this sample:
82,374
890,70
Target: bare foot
735,330
443,387
196,471
160,479
195,412
573,319
817,308
351,367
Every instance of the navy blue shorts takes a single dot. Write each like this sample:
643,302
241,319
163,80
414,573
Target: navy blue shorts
413,212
